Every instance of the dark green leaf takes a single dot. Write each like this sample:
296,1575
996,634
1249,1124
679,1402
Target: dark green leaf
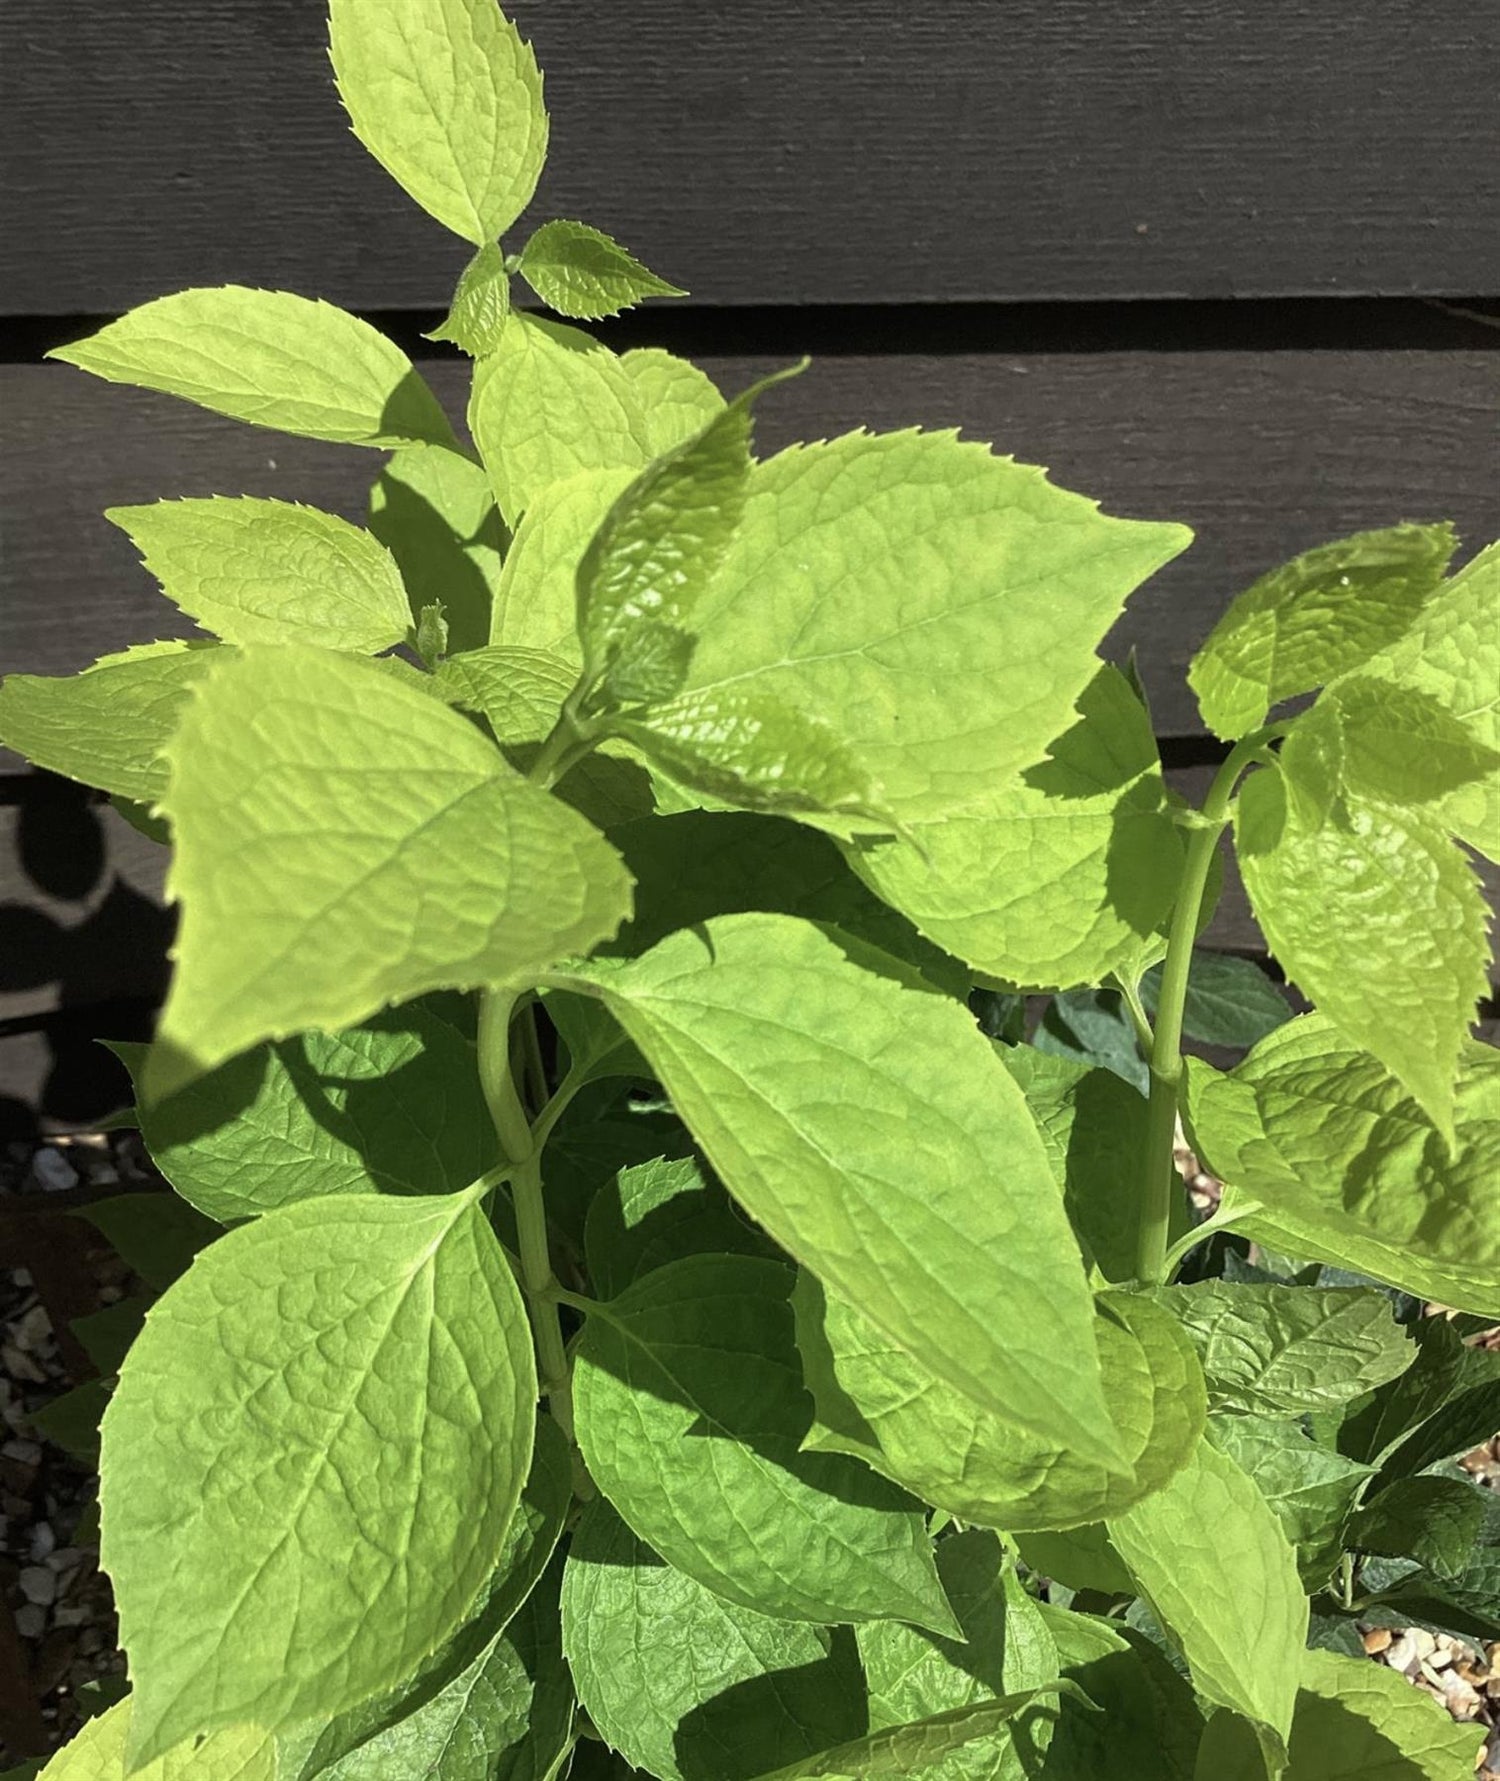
1230,1001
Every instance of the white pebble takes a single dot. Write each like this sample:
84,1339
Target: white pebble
53,1170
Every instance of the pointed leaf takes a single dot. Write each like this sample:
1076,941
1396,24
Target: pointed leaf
270,358
581,272
1398,745
480,305
1347,1169
436,514
1230,1001
156,1234
660,1212
107,726
393,1106
1289,1350
1400,966
687,1685
1362,1722
1233,1607
549,402
343,798
254,571
1310,1489
381,1346
97,1753
803,1076
690,1413
1317,617
678,399
1435,1521
874,1401
448,99
1057,874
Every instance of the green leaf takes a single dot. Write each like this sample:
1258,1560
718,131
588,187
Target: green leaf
1317,617
393,1106
1147,1723
687,1390
581,272
1311,1490
983,593
1055,875
693,866
273,359
803,1077
1347,1169
1439,1408
458,1666
880,1404
1230,1001
1360,1721
1450,653
107,1334
436,514
109,725
1093,1028
549,402
1378,918
448,99
1077,1557
687,1685
677,399
1396,744
254,571
382,1347
506,1717
1233,1606
1286,1350
155,1234
536,604
602,1131
338,792
1435,1521
664,538
480,305
659,1212
98,1753
1093,1126
758,754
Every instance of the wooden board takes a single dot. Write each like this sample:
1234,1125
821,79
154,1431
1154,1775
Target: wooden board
1264,453
845,151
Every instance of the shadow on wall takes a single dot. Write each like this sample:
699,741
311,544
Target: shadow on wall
83,951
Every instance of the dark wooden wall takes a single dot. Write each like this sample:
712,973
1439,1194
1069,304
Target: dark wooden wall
1230,264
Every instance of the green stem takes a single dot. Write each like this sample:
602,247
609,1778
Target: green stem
1205,828
519,1147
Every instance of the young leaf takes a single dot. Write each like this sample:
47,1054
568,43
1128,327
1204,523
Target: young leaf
1357,1720
343,797
1377,917
983,593
804,1077
686,1685
1311,1490
480,305
436,514
1289,1350
1398,745
448,99
661,543
678,399
109,725
536,604
580,272
549,402
1230,1001
690,1413
1319,616
1347,1169
880,1404
659,1212
455,1674
97,1753
393,1106
1451,655
1423,1414
254,571
1233,1607
381,1347
1100,850
1435,1521
756,753
273,359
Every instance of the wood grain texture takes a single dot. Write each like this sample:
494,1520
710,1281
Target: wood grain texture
849,151
1264,454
